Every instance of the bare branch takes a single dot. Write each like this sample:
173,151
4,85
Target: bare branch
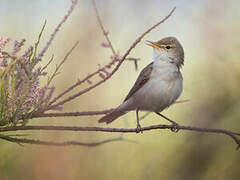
81,81
231,134
45,48
145,115
87,113
53,143
105,33
84,113
61,63
117,66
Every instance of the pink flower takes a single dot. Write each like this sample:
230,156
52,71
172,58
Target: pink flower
59,108
18,45
106,33
89,82
3,42
114,57
102,75
44,73
105,44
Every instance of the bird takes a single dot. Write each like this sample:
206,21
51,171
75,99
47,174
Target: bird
158,85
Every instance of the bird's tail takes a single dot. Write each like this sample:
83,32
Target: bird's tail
110,117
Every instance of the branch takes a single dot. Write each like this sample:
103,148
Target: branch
53,143
83,113
231,134
87,113
105,33
80,82
45,48
117,66
58,66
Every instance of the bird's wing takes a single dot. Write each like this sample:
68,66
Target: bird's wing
141,80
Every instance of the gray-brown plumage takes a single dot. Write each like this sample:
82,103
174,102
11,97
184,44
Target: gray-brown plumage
141,80
174,44
158,85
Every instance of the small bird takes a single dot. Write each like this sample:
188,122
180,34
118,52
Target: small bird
159,84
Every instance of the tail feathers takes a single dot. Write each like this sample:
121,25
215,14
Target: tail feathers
112,116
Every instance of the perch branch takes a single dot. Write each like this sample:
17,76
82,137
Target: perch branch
231,134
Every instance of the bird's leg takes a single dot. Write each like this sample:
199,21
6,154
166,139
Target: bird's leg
175,125
138,124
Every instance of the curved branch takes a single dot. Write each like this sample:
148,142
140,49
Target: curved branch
53,143
231,134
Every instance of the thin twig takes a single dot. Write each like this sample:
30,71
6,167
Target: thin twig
33,55
231,134
105,33
87,113
117,66
80,82
182,101
83,113
65,143
48,63
145,115
61,63
135,60
52,36
177,102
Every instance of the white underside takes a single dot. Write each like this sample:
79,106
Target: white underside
162,90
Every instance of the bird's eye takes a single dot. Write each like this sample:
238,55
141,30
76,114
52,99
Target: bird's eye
168,47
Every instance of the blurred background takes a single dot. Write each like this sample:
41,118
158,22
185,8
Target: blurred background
209,33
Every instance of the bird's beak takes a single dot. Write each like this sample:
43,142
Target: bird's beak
154,45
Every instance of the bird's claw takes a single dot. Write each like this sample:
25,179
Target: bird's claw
175,127
139,129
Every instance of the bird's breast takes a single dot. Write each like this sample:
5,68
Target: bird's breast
162,89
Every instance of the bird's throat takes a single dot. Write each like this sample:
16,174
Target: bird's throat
162,59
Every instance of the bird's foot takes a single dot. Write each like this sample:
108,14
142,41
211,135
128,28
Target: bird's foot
175,127
139,129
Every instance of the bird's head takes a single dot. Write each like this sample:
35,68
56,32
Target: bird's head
168,49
